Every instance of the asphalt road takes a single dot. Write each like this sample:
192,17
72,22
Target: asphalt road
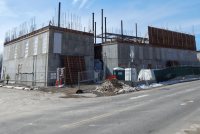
164,110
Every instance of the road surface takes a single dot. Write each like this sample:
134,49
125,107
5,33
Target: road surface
164,110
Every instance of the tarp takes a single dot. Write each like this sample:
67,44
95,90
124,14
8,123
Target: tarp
146,75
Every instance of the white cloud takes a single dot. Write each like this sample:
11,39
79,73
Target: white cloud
80,3
83,3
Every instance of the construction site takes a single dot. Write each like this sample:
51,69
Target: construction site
123,69
56,53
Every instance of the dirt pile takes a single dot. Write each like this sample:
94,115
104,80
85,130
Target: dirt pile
113,87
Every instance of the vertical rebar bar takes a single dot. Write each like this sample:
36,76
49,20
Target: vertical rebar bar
59,8
95,33
93,27
102,25
93,22
122,30
105,28
136,31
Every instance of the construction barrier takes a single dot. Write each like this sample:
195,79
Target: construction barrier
173,72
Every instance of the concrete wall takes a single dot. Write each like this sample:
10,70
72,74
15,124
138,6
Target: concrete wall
110,57
69,44
198,56
138,56
25,60
37,58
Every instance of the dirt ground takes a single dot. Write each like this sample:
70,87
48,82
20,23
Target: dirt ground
71,92
107,88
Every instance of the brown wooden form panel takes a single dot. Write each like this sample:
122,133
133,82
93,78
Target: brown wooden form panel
73,65
170,39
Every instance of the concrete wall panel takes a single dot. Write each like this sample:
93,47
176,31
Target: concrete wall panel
141,54
146,55
20,63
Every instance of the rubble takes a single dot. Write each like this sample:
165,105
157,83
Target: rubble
36,88
114,87
27,89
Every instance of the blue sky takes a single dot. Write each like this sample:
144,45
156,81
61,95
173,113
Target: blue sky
179,15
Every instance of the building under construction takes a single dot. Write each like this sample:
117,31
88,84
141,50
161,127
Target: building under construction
33,59
51,54
162,49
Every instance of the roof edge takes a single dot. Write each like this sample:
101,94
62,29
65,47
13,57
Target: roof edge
48,28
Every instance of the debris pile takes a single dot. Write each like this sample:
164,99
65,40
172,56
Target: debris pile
113,87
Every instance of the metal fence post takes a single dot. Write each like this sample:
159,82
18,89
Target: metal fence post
105,66
65,76
78,80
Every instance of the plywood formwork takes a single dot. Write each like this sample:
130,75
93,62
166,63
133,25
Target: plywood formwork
171,39
73,65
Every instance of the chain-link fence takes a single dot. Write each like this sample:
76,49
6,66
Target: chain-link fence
24,78
29,79
25,75
90,77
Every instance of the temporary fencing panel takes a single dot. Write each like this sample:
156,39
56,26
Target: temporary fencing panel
170,73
